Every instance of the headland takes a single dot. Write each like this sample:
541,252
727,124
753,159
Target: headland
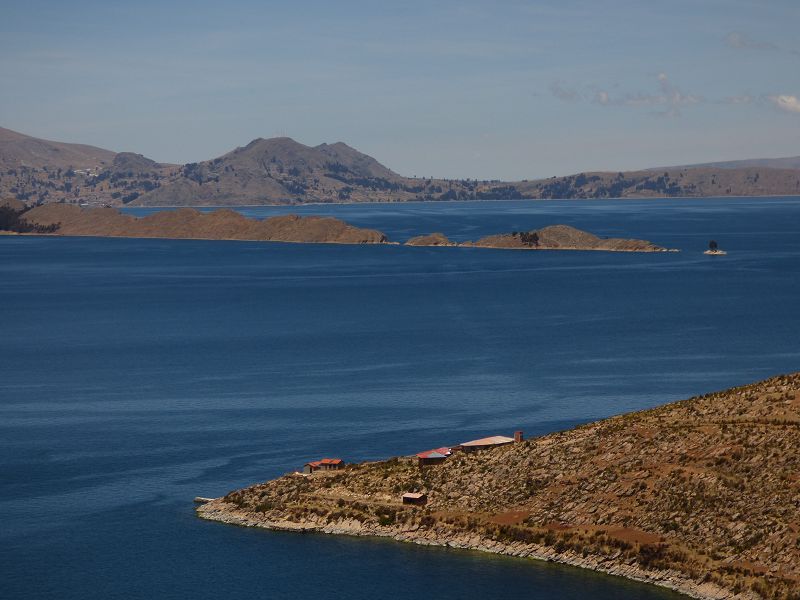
700,496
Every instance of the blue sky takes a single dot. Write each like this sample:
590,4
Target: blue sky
504,90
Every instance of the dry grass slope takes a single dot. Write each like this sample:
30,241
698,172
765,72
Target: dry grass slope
702,495
223,224
227,224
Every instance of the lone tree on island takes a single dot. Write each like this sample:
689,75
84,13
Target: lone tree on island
712,245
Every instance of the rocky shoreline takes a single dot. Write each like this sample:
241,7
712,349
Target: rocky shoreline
699,496
224,512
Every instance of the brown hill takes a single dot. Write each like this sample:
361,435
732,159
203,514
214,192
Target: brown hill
788,162
134,164
12,204
700,495
190,223
277,170
431,239
563,237
18,150
675,182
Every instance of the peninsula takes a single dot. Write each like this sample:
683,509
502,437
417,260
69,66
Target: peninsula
189,223
700,496
227,224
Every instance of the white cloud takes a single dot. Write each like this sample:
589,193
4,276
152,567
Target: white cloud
786,102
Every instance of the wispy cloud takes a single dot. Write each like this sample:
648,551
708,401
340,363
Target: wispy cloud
742,41
667,100
737,39
785,102
739,99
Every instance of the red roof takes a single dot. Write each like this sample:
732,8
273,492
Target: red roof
435,453
325,461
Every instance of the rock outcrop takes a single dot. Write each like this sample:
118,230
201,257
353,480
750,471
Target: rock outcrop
432,239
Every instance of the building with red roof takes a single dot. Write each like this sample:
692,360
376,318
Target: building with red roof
325,464
433,457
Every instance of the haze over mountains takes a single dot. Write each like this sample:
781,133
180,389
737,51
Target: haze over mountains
283,171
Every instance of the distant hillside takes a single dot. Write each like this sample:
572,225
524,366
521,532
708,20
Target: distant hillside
280,170
790,162
18,150
672,182
134,164
283,171
40,171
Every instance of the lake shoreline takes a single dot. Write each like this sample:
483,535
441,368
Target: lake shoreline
679,495
220,511
464,246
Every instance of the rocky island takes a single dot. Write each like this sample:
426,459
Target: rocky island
227,224
700,496
553,237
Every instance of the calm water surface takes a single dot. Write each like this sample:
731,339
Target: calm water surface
137,374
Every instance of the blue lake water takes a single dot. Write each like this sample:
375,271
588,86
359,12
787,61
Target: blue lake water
137,374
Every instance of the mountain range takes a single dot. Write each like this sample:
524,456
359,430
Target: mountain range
283,171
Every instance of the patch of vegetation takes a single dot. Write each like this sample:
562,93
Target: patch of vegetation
12,220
